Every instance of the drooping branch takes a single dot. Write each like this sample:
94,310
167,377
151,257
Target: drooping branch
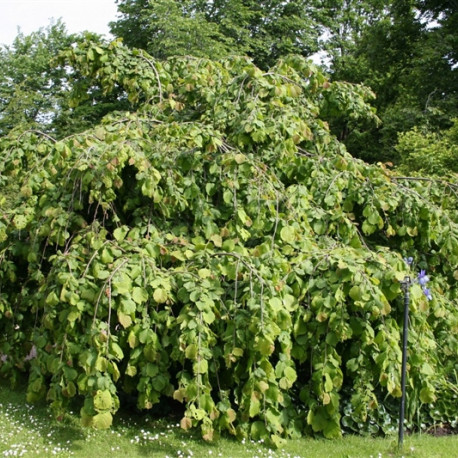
431,180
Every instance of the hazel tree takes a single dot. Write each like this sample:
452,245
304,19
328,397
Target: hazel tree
219,247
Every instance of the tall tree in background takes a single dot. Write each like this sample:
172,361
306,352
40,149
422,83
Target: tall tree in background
167,27
30,89
35,89
263,30
406,51
407,56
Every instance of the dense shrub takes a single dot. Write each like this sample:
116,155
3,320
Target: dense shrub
220,247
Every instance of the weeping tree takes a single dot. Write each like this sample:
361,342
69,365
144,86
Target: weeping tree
219,248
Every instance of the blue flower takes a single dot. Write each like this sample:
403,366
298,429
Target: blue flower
423,278
409,260
427,293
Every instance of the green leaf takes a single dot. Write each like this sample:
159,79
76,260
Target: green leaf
73,316
427,395
102,420
132,339
103,400
258,430
139,295
319,227
217,240
52,299
265,346
244,218
131,371
355,293
151,369
116,350
160,295
106,256
228,196
332,430
120,233
124,320
255,407
368,228
200,366
328,385
288,234
290,374
208,316
159,383
427,369
318,420
276,304
191,351
122,284
101,363
205,273
128,306
20,222
101,274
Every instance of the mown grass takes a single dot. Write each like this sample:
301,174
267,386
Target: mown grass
27,430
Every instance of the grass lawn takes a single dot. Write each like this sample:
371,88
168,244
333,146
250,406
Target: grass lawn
27,430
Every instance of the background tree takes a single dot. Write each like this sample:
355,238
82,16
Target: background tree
410,63
262,30
405,51
31,89
35,88
166,27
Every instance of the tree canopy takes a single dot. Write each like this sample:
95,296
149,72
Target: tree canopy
263,30
407,55
219,247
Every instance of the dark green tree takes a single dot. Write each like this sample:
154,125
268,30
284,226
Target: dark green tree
410,63
263,30
167,27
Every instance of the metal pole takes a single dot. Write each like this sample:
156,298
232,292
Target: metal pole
406,287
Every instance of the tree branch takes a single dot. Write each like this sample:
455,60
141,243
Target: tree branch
156,73
431,180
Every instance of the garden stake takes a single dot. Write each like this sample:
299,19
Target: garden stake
406,288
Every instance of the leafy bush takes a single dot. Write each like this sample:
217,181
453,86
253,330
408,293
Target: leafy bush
220,247
429,153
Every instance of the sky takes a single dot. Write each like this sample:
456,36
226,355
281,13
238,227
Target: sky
78,15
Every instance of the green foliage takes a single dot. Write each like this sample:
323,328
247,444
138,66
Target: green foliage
34,88
410,64
168,27
429,153
264,31
28,95
431,159
220,247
